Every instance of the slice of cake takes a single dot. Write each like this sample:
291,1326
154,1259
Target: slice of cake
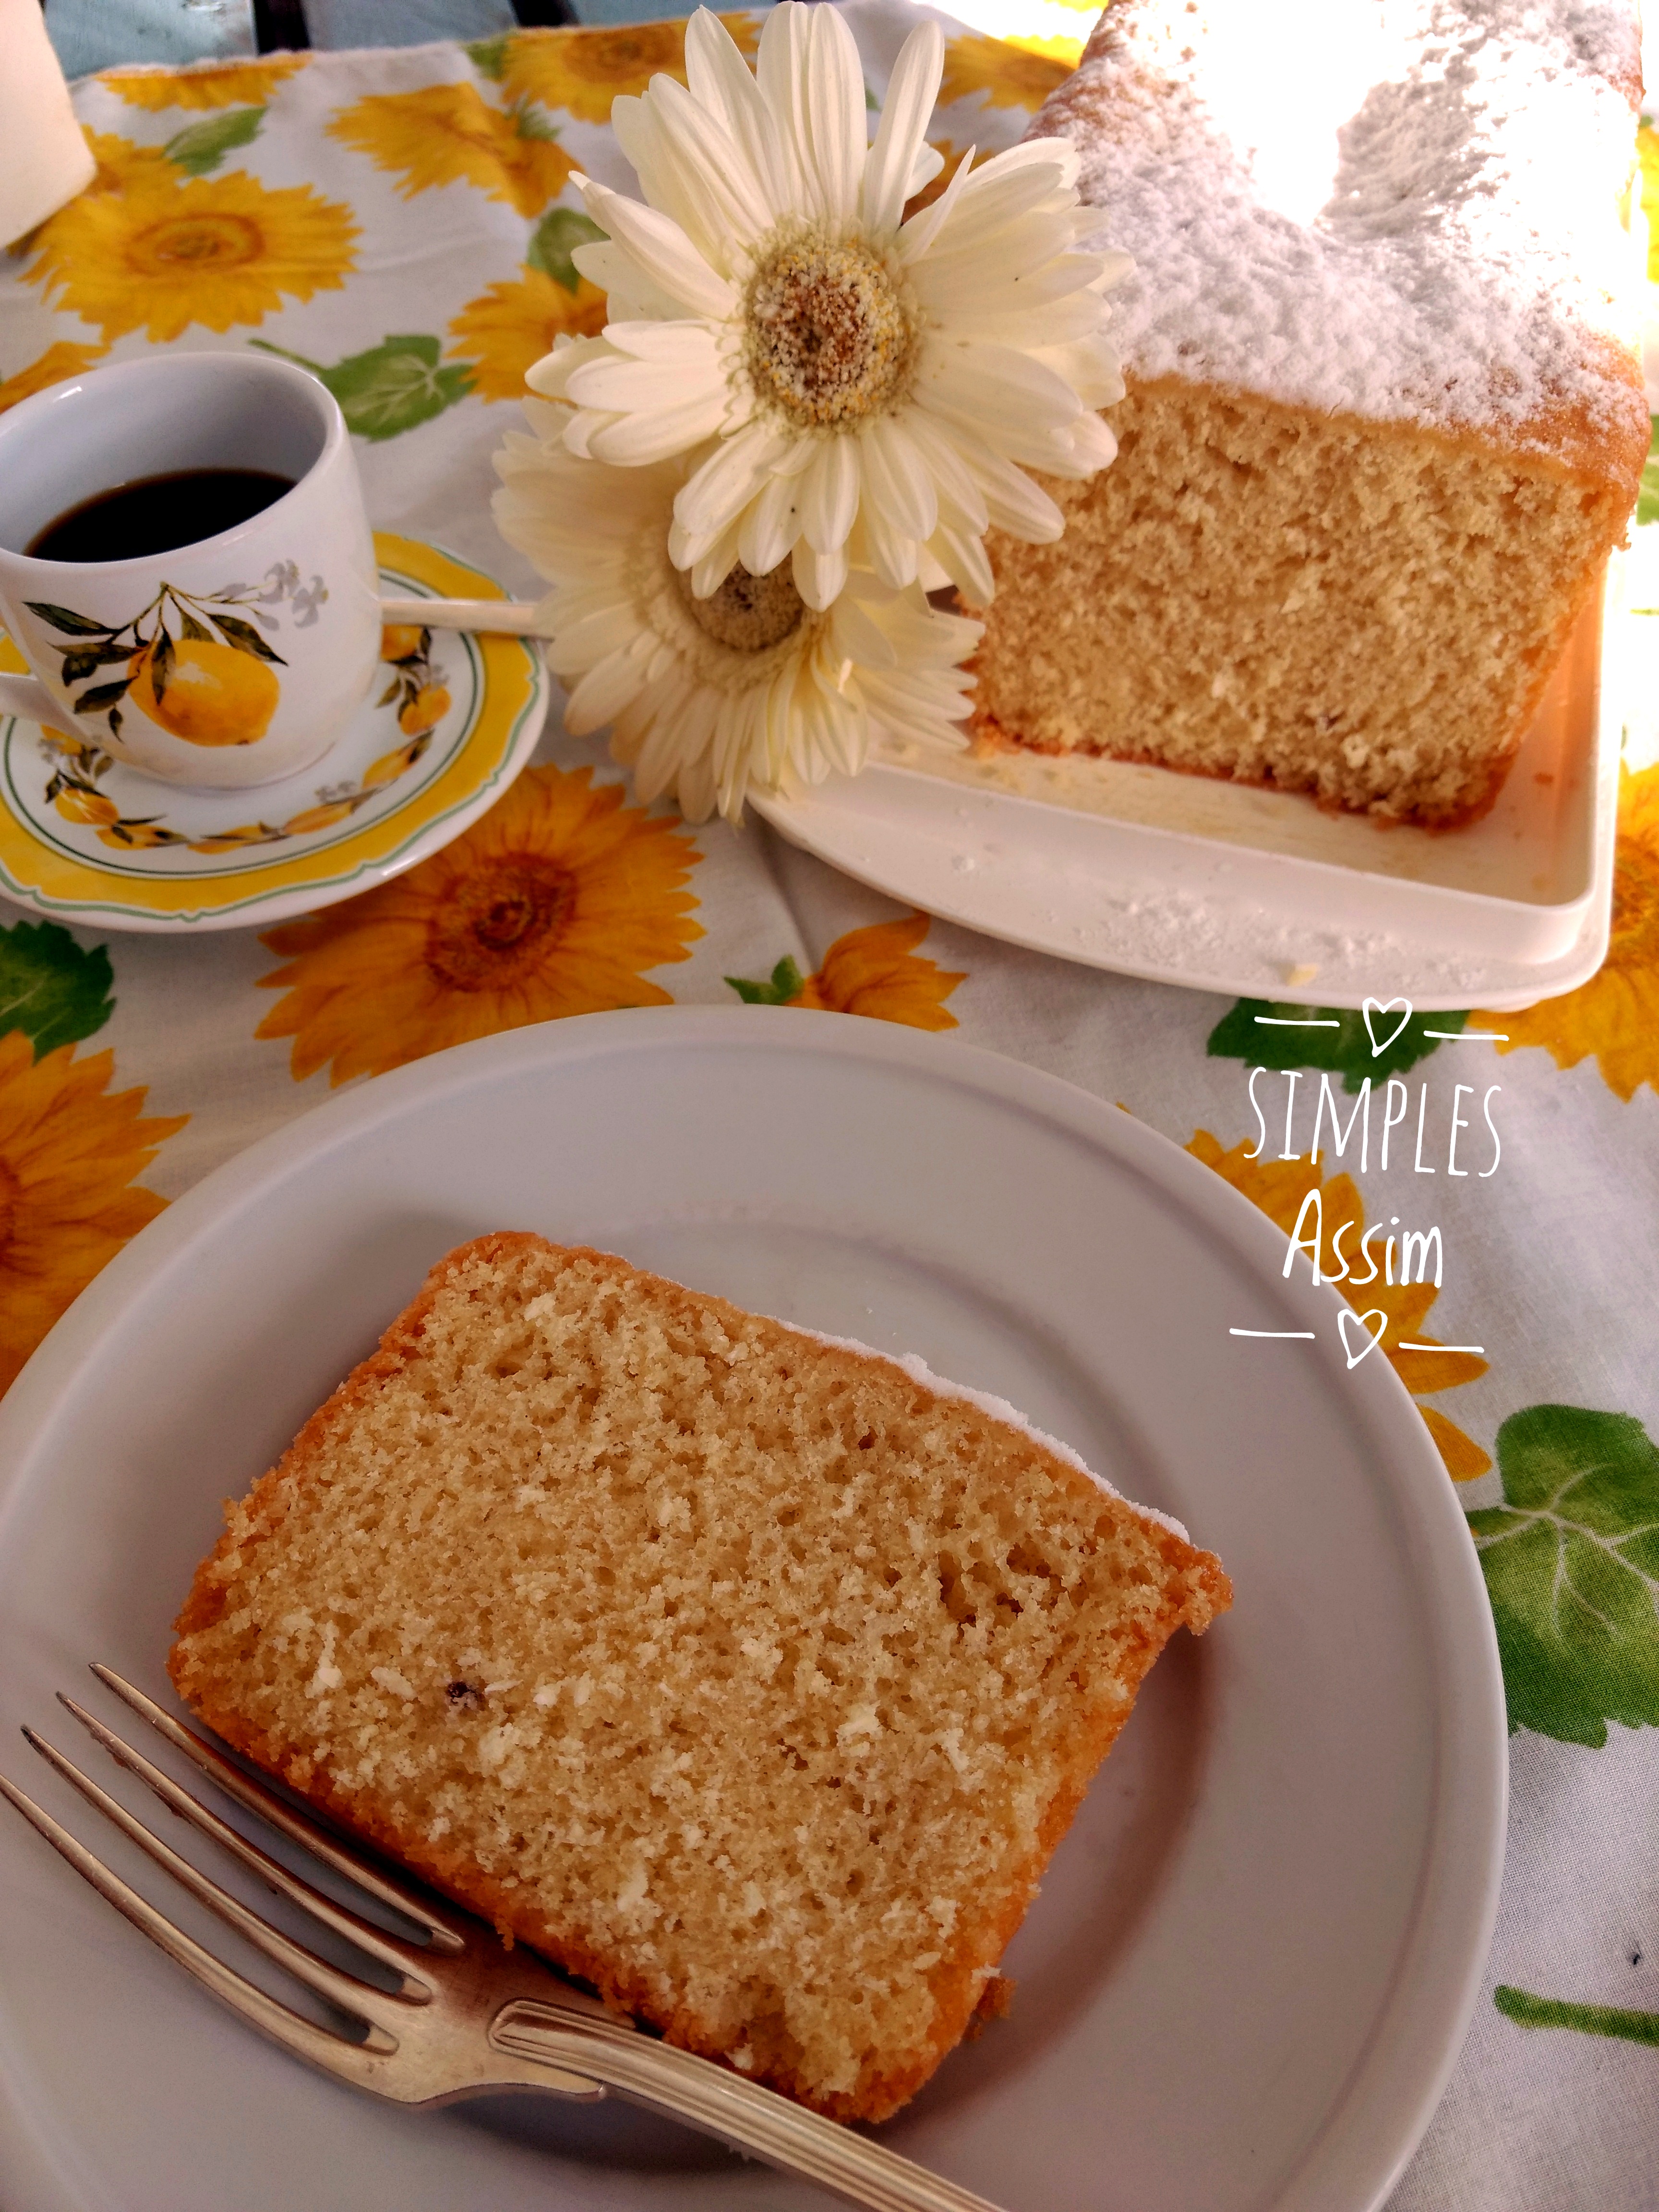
752,1676
1384,419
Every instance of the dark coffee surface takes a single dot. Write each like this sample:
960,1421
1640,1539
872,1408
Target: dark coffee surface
157,513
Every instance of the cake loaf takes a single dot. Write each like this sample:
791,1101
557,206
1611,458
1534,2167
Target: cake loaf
1384,418
752,1677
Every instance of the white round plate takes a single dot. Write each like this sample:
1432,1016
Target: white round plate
1256,1953
444,732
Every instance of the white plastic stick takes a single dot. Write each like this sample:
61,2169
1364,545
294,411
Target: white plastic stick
510,618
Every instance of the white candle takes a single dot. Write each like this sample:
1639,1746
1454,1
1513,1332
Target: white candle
47,159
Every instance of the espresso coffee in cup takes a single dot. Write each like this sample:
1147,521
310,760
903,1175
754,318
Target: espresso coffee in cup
158,513
186,566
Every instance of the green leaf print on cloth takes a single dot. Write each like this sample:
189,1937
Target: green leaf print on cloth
1530,2011
1647,506
1571,1562
51,988
786,982
1276,1040
202,146
555,239
393,388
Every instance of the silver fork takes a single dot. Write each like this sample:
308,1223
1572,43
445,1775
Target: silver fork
465,2016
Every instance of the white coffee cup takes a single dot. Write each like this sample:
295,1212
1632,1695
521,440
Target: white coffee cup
228,662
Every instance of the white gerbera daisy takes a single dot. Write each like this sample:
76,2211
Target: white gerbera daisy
850,366
747,687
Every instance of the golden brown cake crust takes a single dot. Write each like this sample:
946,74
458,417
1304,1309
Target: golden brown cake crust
315,1506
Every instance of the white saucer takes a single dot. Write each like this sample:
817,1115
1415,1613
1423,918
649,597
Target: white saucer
440,737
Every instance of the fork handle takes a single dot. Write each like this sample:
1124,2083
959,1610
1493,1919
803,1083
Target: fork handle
720,2102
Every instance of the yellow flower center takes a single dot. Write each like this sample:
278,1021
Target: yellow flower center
206,241
1634,942
612,57
748,613
828,337
498,927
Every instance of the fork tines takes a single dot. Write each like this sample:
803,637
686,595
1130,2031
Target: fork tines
379,2010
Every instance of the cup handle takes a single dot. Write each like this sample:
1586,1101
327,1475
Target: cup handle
22,694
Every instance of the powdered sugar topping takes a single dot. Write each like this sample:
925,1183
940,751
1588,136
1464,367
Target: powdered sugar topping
995,1409
1399,209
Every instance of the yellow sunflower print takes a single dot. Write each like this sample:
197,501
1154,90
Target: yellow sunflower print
57,362
1010,76
235,84
554,903
447,134
120,165
1278,1186
1616,1014
583,71
68,1155
164,252
875,971
1647,154
508,328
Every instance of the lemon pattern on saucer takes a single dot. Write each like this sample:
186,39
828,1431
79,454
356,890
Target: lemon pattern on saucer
417,690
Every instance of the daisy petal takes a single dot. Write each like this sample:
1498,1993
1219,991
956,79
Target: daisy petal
633,295
936,446
859,637
770,528
897,480
1007,395
602,693
819,577
1015,504
1002,189
1091,445
902,132
923,227
638,387
780,72
628,440
549,374
732,476
836,114
828,493
712,193
721,80
894,557
962,556
662,250
923,170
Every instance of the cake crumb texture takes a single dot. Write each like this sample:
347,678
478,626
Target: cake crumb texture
1385,418
1366,612
739,1673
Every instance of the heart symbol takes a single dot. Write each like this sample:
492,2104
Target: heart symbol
1371,1337
1385,1007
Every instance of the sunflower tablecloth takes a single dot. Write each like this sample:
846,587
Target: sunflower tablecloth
403,222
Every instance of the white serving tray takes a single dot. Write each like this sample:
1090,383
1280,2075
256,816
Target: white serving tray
1224,887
